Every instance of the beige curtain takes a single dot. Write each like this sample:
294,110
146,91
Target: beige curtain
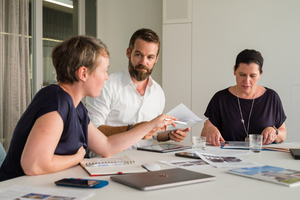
15,93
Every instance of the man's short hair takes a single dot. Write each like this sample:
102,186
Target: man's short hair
147,35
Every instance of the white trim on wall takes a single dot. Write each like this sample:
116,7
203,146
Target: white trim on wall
37,45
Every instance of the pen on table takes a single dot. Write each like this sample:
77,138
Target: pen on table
106,164
224,143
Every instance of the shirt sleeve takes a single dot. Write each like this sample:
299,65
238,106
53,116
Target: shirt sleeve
213,111
280,117
162,105
99,107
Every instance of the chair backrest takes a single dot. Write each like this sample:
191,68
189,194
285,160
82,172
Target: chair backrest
2,154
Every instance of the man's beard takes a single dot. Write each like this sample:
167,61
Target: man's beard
138,74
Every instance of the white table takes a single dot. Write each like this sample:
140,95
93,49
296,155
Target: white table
225,187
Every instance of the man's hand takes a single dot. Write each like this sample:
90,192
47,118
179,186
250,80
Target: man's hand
178,135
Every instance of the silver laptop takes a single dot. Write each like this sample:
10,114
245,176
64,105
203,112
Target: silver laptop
161,179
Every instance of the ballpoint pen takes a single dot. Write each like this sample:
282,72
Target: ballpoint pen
224,143
106,164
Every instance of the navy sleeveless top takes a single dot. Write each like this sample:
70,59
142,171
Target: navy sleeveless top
74,135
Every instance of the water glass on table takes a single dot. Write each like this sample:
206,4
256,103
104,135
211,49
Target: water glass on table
199,143
255,143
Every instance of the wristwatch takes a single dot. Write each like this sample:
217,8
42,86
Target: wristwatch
276,130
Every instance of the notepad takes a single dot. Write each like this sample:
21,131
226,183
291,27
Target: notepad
109,166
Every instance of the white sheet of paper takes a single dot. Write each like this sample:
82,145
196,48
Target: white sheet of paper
183,114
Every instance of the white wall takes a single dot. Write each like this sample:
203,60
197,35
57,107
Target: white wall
220,30
198,57
117,20
177,74
177,69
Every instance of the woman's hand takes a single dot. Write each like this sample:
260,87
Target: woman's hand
149,135
212,134
107,146
166,120
162,121
81,152
269,135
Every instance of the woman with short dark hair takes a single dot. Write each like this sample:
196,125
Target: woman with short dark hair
246,108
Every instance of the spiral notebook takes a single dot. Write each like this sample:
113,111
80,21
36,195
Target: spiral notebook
110,166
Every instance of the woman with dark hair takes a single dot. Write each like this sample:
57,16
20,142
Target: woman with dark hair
246,108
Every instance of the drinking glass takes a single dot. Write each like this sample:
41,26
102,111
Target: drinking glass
255,143
199,143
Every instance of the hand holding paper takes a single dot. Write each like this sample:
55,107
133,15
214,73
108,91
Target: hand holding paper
186,118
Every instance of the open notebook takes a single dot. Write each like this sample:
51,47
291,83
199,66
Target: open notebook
109,166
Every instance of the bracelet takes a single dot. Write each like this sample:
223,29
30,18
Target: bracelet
276,130
129,127
168,136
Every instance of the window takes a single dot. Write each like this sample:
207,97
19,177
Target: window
57,26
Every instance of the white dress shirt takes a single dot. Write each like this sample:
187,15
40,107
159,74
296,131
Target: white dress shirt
120,103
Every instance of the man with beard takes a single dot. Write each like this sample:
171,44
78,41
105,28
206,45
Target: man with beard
131,96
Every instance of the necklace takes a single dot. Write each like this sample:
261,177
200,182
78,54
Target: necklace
242,118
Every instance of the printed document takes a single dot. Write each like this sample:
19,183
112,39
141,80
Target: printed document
187,163
28,192
227,161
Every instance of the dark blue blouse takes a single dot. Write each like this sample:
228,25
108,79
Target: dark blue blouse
223,112
74,135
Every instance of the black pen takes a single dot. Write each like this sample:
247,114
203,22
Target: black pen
224,143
